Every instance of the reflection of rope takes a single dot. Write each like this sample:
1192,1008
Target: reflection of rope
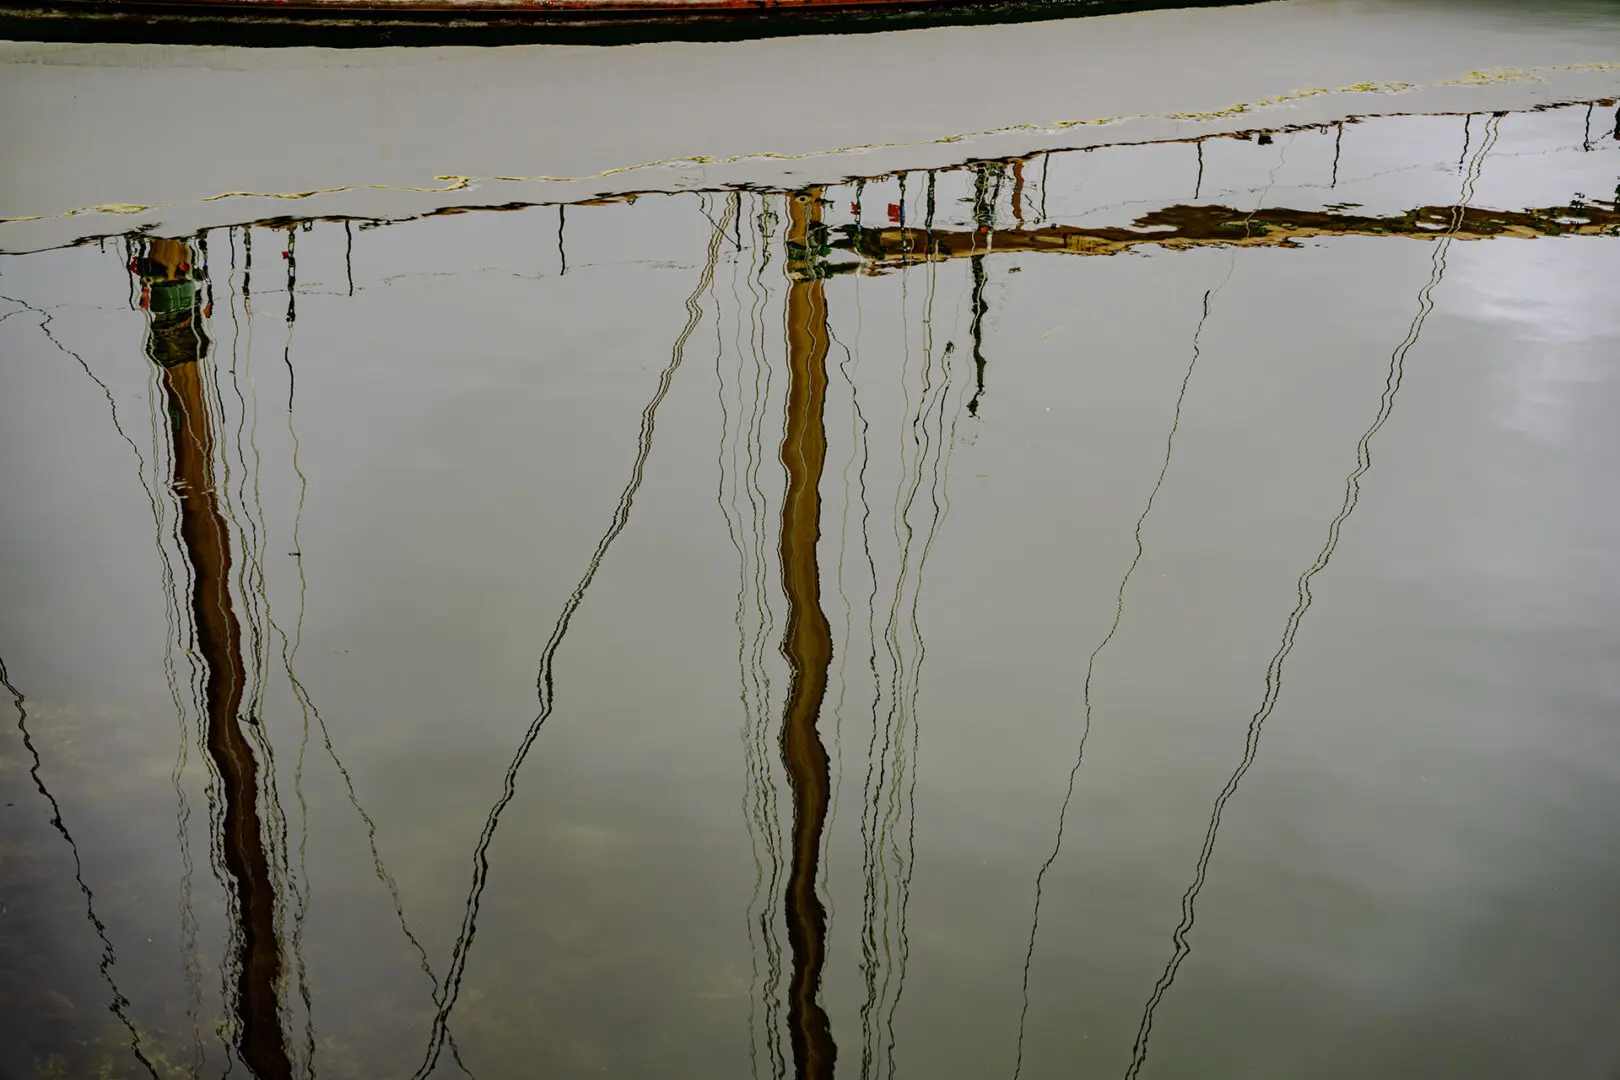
108,957
889,797
1119,606
944,443
737,460
308,709
544,680
1274,671
764,629
1091,667
246,518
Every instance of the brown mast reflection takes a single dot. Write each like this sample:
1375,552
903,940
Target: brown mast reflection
807,642
177,342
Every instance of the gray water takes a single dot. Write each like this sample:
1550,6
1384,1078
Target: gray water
1191,655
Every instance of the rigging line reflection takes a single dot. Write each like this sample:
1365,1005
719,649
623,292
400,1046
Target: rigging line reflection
243,512
289,649
191,969
1119,602
741,451
177,343
1274,670
304,894
1046,165
853,491
943,444
544,685
763,629
862,439
727,483
846,603
1091,667
173,619
891,783
980,308
562,252
308,707
109,957
181,631
807,636
900,797
984,220
875,909
291,255
884,759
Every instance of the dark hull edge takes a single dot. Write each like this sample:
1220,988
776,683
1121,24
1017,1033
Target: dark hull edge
290,25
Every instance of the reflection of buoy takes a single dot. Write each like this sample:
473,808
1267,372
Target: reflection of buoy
146,297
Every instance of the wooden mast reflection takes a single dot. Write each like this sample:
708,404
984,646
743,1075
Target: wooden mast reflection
807,643
177,343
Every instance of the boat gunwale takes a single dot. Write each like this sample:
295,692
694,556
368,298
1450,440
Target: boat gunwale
374,23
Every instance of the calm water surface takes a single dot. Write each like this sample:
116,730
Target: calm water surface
1147,611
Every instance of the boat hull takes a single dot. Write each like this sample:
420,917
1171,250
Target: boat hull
369,23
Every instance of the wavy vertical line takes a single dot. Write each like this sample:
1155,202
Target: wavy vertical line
243,528
943,443
857,453
173,618
245,519
109,957
1091,667
725,498
544,683
901,703
1119,609
1274,670
875,944
757,454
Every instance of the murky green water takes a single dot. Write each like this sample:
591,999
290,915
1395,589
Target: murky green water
1142,611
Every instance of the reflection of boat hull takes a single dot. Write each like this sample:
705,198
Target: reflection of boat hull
606,22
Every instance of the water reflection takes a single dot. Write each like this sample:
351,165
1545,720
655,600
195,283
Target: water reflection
1274,670
177,344
875,399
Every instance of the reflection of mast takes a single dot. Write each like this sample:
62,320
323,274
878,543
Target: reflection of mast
984,220
807,643
176,342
